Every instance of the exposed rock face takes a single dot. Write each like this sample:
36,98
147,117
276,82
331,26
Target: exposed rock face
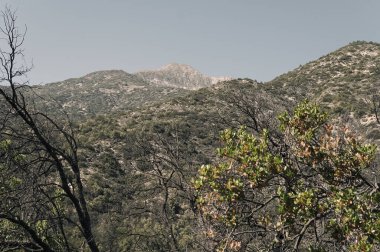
180,76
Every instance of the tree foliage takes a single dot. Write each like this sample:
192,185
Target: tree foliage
309,189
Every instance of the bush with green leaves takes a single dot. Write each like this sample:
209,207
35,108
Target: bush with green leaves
307,190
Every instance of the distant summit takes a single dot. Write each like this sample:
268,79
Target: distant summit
179,68
180,76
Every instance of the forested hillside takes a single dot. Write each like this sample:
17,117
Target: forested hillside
165,144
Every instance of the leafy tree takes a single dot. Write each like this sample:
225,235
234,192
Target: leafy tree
309,189
43,205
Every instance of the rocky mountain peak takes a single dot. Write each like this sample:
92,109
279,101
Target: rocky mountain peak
179,76
179,68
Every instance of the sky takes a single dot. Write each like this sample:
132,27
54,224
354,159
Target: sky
257,39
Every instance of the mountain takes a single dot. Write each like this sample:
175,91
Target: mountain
149,132
341,80
105,91
165,144
346,82
180,75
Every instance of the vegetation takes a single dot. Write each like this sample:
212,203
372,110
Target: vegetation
126,150
43,205
306,190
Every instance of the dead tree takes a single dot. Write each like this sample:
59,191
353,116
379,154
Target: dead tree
376,107
43,205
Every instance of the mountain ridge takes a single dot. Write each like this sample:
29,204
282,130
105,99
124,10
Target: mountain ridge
109,90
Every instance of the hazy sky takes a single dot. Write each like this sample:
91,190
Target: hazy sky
238,38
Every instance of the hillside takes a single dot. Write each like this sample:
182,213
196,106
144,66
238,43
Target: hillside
341,80
114,90
345,82
189,125
142,137
104,91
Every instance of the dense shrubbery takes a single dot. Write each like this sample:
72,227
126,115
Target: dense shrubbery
305,190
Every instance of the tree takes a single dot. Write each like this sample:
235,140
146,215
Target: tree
43,205
376,106
163,219
308,190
